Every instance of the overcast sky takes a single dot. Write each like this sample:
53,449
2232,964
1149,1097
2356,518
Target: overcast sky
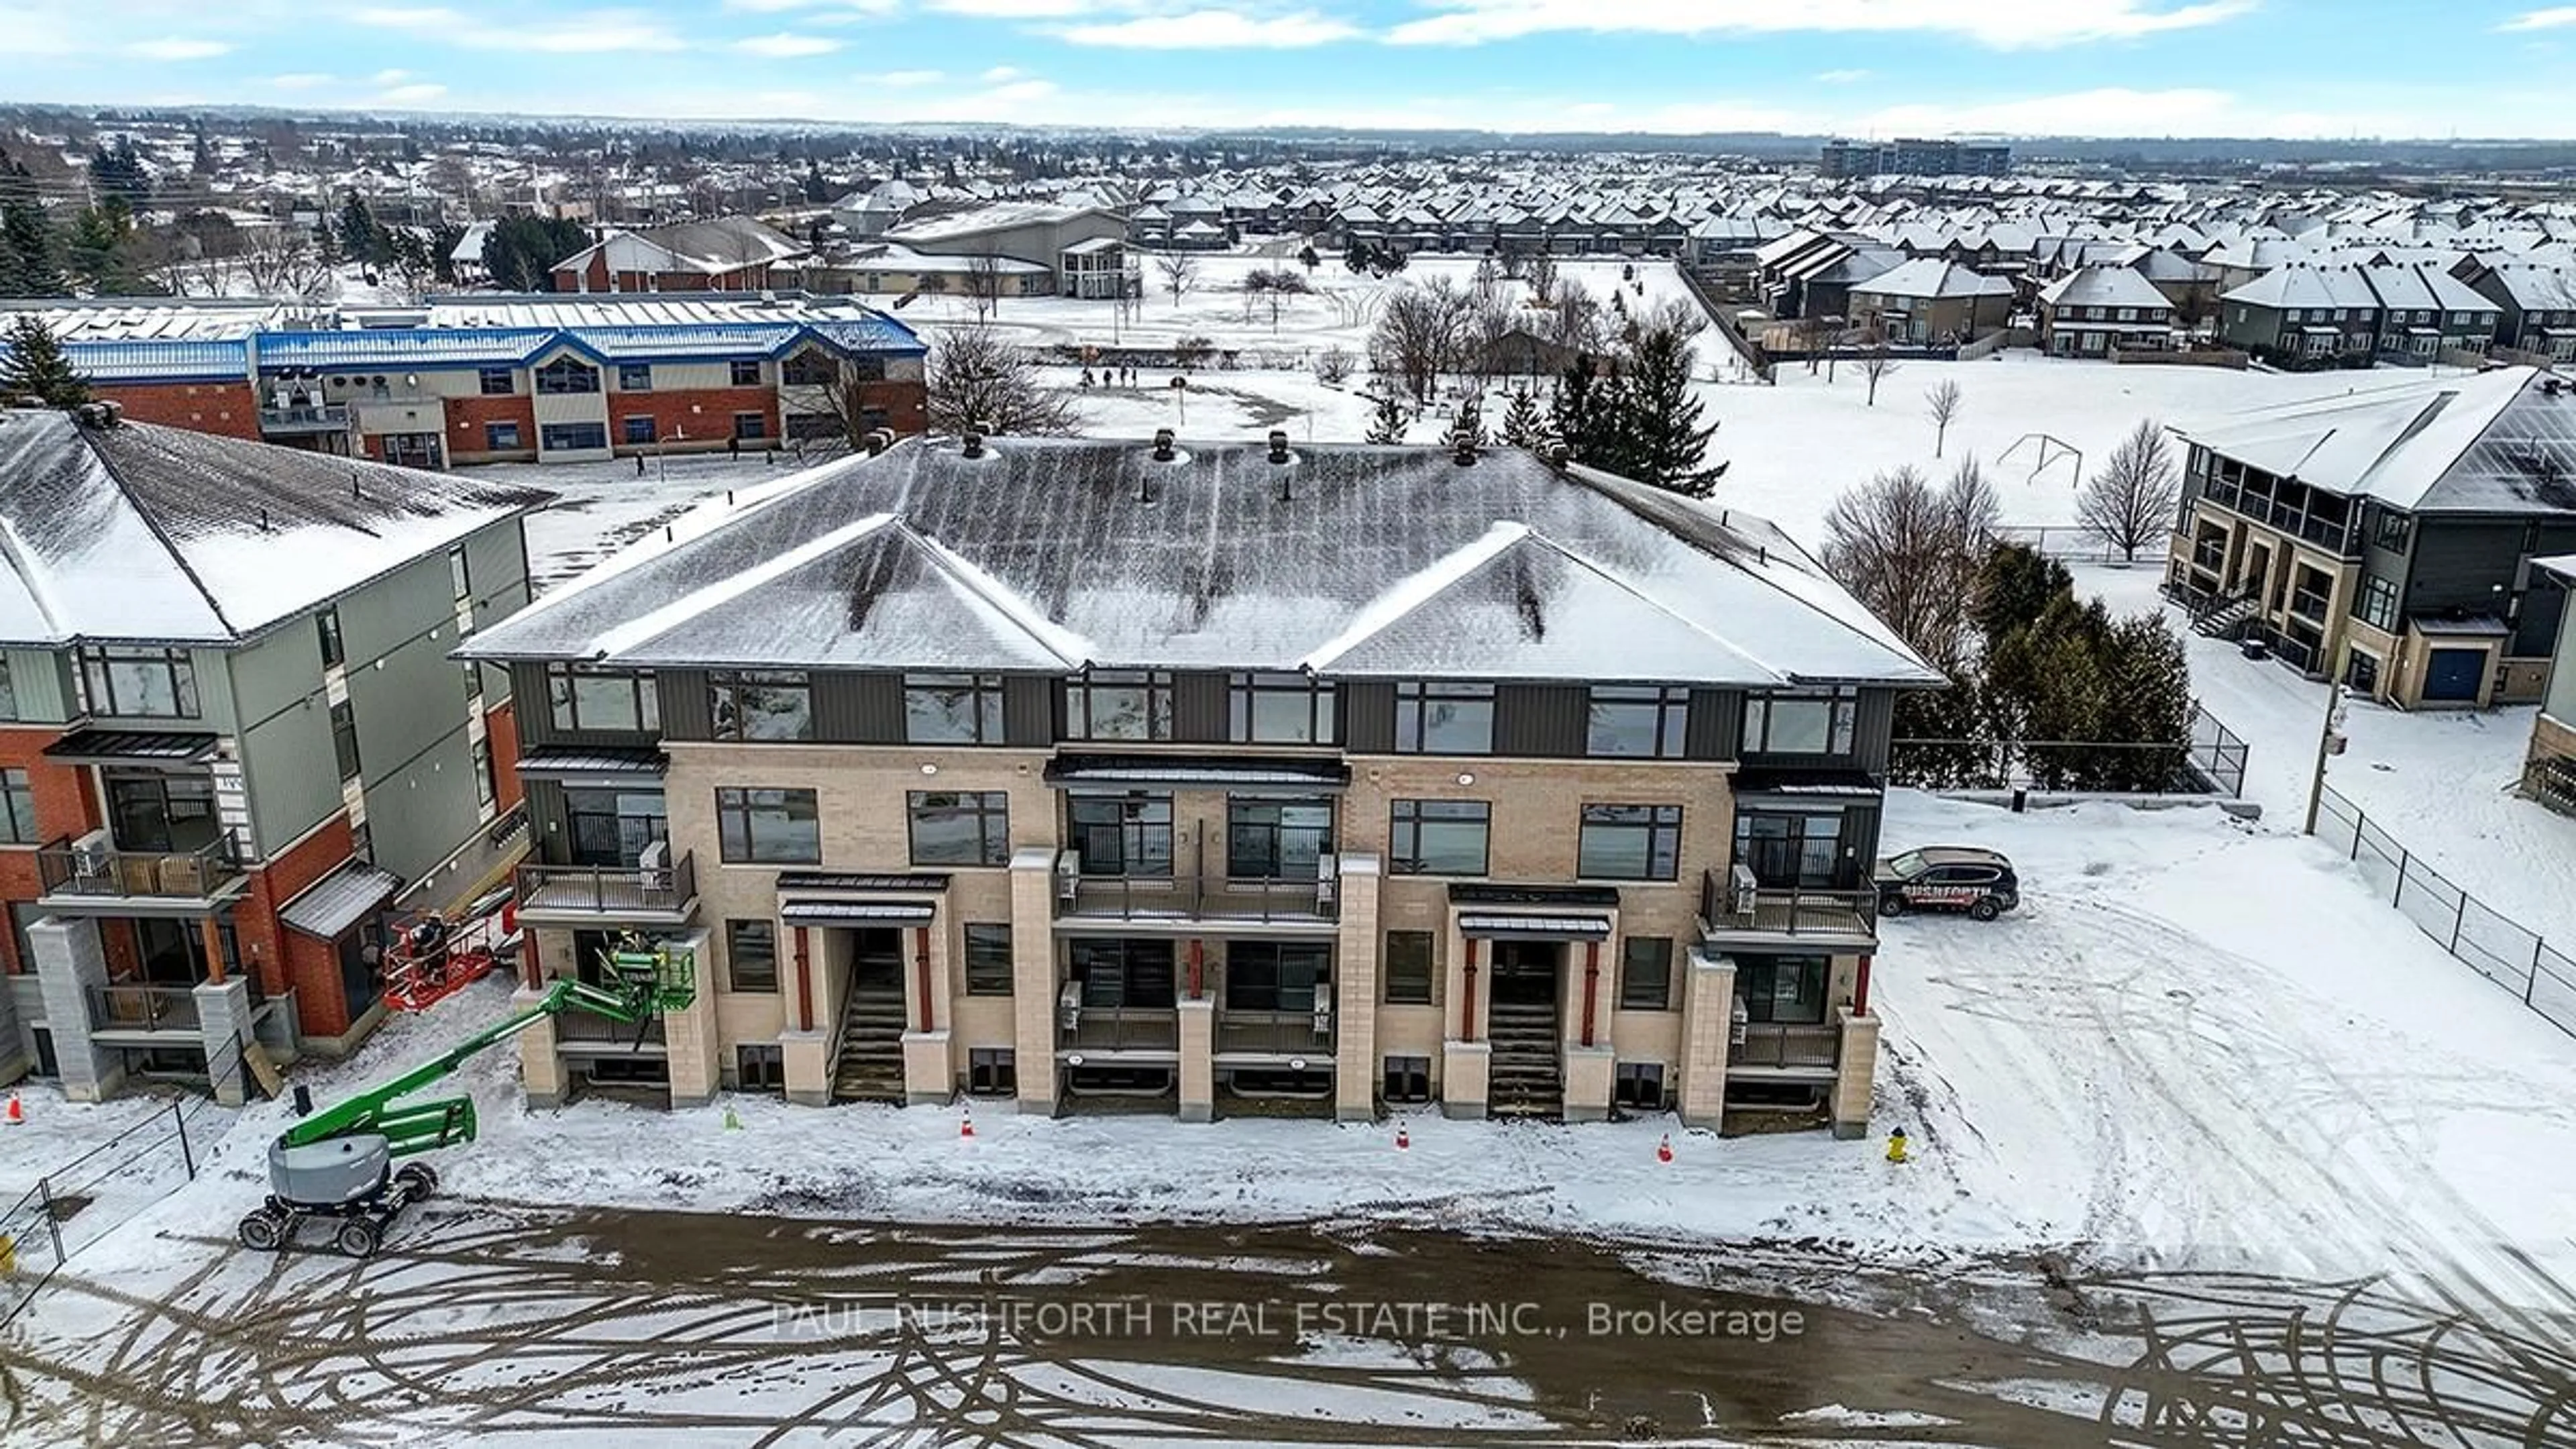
2340,68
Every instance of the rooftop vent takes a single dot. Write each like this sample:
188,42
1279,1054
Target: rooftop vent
98,414
1163,440
1278,446
974,443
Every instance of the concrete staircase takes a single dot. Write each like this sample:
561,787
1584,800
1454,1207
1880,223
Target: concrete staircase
871,1064
1527,1074
2226,618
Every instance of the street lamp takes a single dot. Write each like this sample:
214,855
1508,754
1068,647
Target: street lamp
2330,741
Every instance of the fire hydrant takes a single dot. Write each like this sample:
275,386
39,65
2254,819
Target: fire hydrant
1896,1145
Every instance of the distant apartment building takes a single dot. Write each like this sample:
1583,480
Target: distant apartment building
1848,160
1210,777
722,254
2387,537
233,733
490,378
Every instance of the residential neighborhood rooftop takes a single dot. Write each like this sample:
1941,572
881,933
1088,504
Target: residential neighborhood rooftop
2502,441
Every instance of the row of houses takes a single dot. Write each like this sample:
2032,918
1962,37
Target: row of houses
494,377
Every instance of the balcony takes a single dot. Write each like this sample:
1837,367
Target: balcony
591,895
2309,605
580,1032
1178,903
1786,1048
305,419
98,880
1118,1029
1275,1034
1793,915
143,1009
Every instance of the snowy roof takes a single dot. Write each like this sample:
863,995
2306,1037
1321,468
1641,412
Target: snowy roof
2100,286
1047,555
1930,277
937,231
2302,286
181,360
717,245
2496,442
138,532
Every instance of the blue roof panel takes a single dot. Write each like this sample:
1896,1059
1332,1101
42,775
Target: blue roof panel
463,345
160,361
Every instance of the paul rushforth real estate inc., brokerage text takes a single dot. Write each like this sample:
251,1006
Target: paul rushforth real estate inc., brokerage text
1060,1318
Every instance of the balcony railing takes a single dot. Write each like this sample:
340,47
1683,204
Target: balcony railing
1275,1033
2309,606
1777,1045
1120,1028
143,1006
306,418
67,870
610,891
582,1026
1193,898
1786,910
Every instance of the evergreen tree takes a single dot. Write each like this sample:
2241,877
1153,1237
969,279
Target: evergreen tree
29,263
1387,424
1664,441
1524,426
1467,429
443,241
2149,704
1954,749
1585,414
2015,587
121,172
361,240
34,366
100,250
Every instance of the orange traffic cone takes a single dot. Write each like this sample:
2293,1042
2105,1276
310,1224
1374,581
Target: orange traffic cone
1403,1137
1664,1149
17,1114
966,1127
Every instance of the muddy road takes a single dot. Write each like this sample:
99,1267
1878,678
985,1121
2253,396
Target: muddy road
504,1325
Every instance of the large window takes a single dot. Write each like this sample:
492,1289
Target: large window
751,955
2376,603
344,739
572,437
1275,975
1276,839
1789,845
1444,719
1408,968
952,709
809,369
1630,842
140,683
768,827
612,827
1279,709
636,428
584,698
761,705
1801,724
495,381
1649,723
1440,837
634,377
17,808
1128,834
988,959
157,812
744,374
1116,973
1118,704
567,375
960,827
1646,973
326,629
501,437
1787,989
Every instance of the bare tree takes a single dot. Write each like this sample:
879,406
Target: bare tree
977,381
280,262
1487,322
1574,319
1420,333
1542,279
1944,398
1875,365
1911,552
984,283
2131,502
1333,366
1180,272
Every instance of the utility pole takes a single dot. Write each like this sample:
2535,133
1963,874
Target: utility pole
2330,741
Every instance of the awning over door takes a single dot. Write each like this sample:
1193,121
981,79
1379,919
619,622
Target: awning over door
579,765
1536,928
163,748
861,915
330,906
1240,775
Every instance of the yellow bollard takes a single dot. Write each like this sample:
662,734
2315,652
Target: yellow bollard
1896,1145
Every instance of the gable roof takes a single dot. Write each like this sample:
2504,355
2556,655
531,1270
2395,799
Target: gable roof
2501,441
1931,277
2103,286
1053,554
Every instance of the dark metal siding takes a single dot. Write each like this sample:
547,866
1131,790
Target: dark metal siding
547,823
1860,845
1368,717
687,712
1873,728
858,709
1544,721
1199,709
2458,564
1029,705
1716,724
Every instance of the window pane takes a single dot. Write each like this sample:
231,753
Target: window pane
988,960
1458,726
952,709
1408,967
1646,974
605,702
751,955
952,828
1624,722
1122,834
1799,727
768,826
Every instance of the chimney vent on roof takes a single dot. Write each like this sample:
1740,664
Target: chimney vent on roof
974,443
1163,445
1278,445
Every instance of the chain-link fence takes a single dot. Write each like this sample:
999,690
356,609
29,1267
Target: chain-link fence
2503,950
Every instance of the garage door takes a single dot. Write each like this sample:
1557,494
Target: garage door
2455,674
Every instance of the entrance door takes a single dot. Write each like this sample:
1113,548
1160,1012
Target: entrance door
415,450
2454,675
1525,972
876,960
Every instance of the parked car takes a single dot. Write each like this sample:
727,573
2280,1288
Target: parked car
1947,878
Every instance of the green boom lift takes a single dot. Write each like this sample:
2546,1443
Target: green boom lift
336,1166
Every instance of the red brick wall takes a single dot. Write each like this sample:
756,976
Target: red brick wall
64,806
907,404
467,415
705,414
229,408
285,958
501,726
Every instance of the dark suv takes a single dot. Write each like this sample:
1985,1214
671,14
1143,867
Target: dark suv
1947,878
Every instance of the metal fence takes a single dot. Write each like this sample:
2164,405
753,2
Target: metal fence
2501,949
2211,762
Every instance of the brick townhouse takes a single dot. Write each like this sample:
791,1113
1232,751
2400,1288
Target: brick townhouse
233,734
1211,775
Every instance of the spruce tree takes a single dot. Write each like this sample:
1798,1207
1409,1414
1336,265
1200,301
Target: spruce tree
1387,424
1665,442
2015,586
2149,704
1524,426
1585,415
1467,429
36,367
29,263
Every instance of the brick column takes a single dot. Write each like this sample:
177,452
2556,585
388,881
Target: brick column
223,1025
69,962
1033,977
1198,1059
1854,1073
689,1035
541,1068
1708,1031
1355,978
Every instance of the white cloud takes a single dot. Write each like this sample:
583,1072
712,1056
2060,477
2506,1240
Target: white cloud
1214,30
411,95
2110,111
1842,77
1001,73
787,46
903,79
2556,17
2003,24
829,11
178,48
390,77
588,32
1018,9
